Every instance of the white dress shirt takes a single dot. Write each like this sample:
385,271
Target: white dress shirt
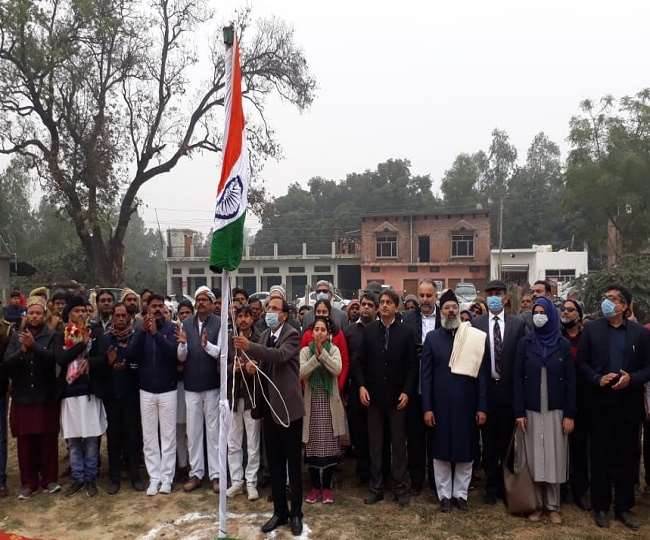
428,324
213,350
502,326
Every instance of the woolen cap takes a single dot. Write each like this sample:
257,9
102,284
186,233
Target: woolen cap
496,285
448,296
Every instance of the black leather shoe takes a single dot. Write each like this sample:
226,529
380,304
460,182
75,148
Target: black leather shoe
403,500
137,484
627,519
374,497
601,519
583,503
296,525
112,488
488,498
273,523
461,504
445,505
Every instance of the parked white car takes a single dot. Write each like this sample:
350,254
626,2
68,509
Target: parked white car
337,301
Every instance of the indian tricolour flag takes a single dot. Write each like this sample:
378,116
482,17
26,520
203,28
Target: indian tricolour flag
232,194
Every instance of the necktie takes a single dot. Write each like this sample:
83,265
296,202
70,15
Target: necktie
498,346
386,337
272,340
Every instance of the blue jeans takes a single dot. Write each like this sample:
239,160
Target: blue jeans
3,441
84,458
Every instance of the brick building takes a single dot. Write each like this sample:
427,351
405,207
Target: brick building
399,248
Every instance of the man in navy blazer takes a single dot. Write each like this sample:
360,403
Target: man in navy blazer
614,355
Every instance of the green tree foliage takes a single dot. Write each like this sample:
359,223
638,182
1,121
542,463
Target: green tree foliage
327,209
631,271
15,210
532,208
102,96
608,171
460,182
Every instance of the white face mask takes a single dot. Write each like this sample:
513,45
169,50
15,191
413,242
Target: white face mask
540,319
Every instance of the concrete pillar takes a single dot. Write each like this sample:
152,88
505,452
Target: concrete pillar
333,250
304,249
275,250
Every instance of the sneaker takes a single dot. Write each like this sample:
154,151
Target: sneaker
73,488
313,496
215,485
328,498
165,488
91,488
153,488
253,494
25,493
52,487
234,490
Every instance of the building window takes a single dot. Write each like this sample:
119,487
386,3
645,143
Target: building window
412,269
386,245
434,269
474,269
245,270
177,271
424,251
322,269
561,275
375,269
196,271
299,269
462,245
271,270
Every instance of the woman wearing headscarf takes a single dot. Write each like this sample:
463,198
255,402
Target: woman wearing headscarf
545,405
323,308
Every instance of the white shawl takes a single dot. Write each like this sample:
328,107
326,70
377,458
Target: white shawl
467,354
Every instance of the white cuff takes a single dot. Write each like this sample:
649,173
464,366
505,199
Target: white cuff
182,352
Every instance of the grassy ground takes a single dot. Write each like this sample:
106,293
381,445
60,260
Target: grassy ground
131,515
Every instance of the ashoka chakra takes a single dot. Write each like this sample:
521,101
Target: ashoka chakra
230,199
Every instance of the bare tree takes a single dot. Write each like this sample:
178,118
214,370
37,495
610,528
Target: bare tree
101,97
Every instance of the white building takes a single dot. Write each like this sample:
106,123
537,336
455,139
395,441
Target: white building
294,268
525,266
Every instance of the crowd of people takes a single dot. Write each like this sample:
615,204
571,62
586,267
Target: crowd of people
423,392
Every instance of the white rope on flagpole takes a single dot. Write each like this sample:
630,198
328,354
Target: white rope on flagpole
224,412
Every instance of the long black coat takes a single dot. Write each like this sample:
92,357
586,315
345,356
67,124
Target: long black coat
454,399
387,373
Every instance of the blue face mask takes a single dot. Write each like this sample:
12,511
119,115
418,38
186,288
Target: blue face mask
494,304
608,308
271,320
322,296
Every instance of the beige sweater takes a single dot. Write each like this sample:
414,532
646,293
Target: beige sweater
332,362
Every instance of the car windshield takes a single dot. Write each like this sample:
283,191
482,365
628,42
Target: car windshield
465,290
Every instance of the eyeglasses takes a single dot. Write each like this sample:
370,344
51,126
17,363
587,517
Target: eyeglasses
568,309
324,291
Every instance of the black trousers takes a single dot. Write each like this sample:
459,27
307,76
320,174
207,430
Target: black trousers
419,436
123,436
614,464
377,417
496,436
358,422
579,456
321,478
284,449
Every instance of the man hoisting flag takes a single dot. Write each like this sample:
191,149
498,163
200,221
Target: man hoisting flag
228,237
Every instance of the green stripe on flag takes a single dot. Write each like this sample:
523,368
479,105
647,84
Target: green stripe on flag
227,246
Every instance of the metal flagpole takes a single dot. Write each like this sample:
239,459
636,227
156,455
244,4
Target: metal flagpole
224,410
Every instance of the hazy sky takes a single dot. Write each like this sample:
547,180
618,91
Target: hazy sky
426,80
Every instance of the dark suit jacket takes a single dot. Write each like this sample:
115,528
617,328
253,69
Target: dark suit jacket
514,331
282,365
387,373
593,360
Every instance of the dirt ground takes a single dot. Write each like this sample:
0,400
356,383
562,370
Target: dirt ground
131,515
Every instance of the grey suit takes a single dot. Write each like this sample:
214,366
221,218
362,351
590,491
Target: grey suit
283,445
